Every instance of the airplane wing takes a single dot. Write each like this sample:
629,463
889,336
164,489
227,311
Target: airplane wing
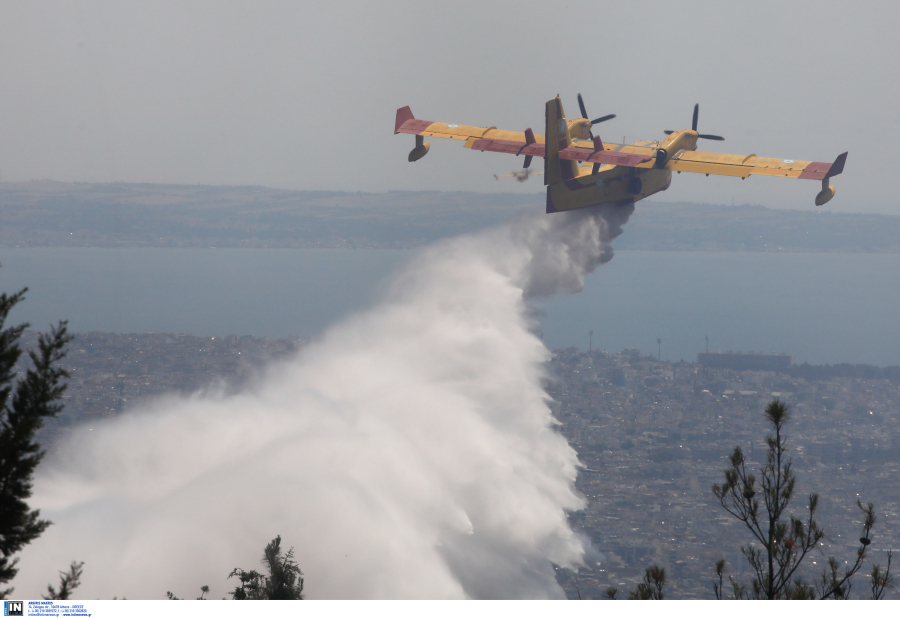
743,166
492,139
572,153
407,123
589,155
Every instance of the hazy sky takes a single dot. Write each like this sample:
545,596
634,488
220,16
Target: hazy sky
302,95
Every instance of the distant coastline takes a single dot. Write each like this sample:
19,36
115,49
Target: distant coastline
56,214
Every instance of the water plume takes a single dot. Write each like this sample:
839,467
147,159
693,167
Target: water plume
409,452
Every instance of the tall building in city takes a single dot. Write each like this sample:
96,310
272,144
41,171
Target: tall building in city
741,361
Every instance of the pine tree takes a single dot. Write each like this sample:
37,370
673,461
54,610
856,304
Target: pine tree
25,404
783,541
284,581
68,582
651,589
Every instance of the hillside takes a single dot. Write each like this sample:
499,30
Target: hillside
54,214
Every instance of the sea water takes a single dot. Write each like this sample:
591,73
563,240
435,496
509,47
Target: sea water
820,308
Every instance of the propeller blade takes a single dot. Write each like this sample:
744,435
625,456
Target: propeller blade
718,138
527,161
581,106
584,113
603,119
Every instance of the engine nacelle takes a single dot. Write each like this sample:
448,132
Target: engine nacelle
579,128
661,157
824,195
420,150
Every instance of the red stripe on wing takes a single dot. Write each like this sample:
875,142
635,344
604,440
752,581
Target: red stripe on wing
815,171
509,146
575,153
413,126
818,170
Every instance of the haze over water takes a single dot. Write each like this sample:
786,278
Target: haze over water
821,308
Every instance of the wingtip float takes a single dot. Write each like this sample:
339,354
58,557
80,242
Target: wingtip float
581,170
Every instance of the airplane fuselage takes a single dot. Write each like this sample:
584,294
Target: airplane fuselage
611,184
616,183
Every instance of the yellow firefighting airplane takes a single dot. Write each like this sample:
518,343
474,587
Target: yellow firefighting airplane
580,170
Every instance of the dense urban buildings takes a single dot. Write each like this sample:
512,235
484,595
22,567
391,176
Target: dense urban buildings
652,436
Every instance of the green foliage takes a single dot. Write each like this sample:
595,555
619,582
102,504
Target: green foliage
783,541
881,581
204,590
651,589
68,581
284,581
24,405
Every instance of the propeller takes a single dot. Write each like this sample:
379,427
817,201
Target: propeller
596,120
694,127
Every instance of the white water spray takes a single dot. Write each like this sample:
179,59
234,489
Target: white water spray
408,453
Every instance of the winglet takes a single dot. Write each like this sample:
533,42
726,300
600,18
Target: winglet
838,166
403,114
